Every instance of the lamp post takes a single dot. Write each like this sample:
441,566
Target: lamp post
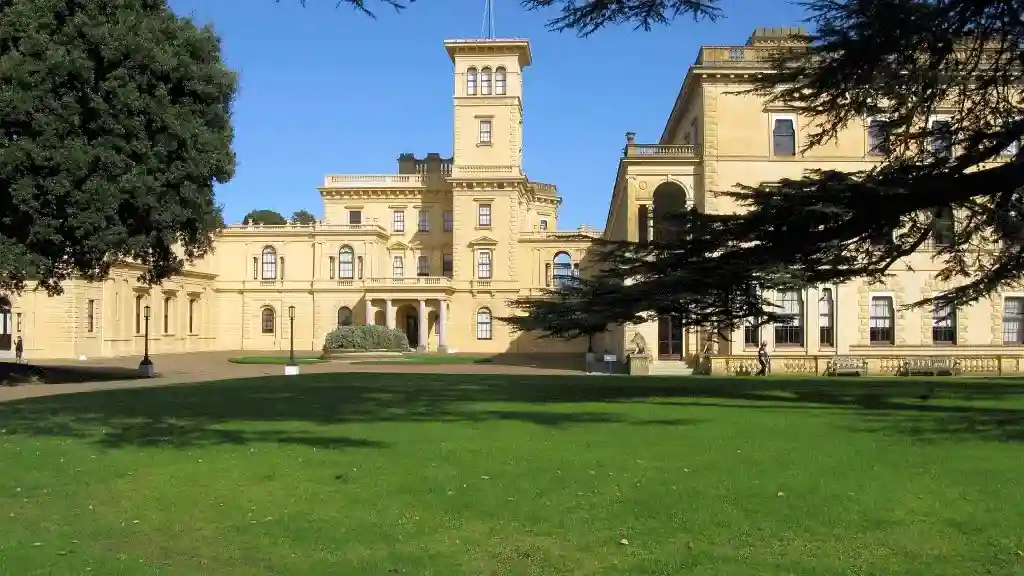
146,366
291,369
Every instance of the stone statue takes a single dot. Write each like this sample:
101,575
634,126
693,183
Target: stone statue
639,344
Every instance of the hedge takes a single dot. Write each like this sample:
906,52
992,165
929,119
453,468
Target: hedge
366,337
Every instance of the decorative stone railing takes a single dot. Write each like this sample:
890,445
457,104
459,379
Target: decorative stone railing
757,56
411,281
486,169
315,226
662,151
975,364
381,180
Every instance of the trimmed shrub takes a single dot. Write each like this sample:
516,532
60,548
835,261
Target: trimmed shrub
367,337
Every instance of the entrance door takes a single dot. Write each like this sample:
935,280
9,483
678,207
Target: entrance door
412,330
6,328
670,338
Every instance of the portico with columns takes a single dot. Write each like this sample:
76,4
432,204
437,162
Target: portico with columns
421,318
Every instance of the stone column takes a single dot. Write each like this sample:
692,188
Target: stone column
442,320
389,314
369,310
422,325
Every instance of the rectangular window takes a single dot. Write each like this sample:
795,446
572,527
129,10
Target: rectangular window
138,314
330,261
282,267
167,315
90,318
877,143
255,268
424,221
751,333
791,333
1013,320
483,215
826,319
784,137
399,221
483,265
449,223
359,264
547,274
398,267
543,224
191,315
943,227
345,271
447,264
943,324
881,321
485,132
941,138
423,265
355,217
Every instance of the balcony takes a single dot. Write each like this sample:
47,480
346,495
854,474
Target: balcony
489,170
661,151
389,181
370,227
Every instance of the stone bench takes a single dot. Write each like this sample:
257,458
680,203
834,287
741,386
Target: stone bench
847,366
930,366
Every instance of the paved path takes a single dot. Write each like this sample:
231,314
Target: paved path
206,366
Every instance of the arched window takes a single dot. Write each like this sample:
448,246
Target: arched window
499,81
344,316
485,82
563,270
483,324
267,320
471,82
269,263
346,259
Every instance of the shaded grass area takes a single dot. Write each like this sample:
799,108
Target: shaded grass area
469,474
277,360
432,359
12,374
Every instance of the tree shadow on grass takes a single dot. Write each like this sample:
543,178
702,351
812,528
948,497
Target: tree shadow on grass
189,415
12,374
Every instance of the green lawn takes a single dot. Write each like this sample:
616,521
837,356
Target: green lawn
433,359
277,360
368,474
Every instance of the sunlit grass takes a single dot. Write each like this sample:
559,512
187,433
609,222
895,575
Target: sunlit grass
467,474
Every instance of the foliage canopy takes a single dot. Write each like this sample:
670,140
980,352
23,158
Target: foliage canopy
114,126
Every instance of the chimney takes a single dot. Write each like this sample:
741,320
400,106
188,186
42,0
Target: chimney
406,163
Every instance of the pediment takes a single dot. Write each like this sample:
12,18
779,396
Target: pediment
399,245
483,241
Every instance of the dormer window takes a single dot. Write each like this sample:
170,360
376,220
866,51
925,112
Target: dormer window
471,82
485,82
499,81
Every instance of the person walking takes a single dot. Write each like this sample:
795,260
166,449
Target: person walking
762,358
19,350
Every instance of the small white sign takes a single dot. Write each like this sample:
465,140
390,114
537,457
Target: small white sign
610,358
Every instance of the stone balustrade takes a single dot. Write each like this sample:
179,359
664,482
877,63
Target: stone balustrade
967,365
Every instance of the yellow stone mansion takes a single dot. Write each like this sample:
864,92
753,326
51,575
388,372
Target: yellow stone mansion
438,248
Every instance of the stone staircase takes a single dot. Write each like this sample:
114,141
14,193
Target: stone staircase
670,368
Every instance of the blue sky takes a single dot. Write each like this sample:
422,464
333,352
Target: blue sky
325,90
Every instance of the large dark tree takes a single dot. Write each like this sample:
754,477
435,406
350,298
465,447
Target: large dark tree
303,217
958,184
569,312
114,126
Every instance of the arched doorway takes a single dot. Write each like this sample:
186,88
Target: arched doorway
6,326
668,198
